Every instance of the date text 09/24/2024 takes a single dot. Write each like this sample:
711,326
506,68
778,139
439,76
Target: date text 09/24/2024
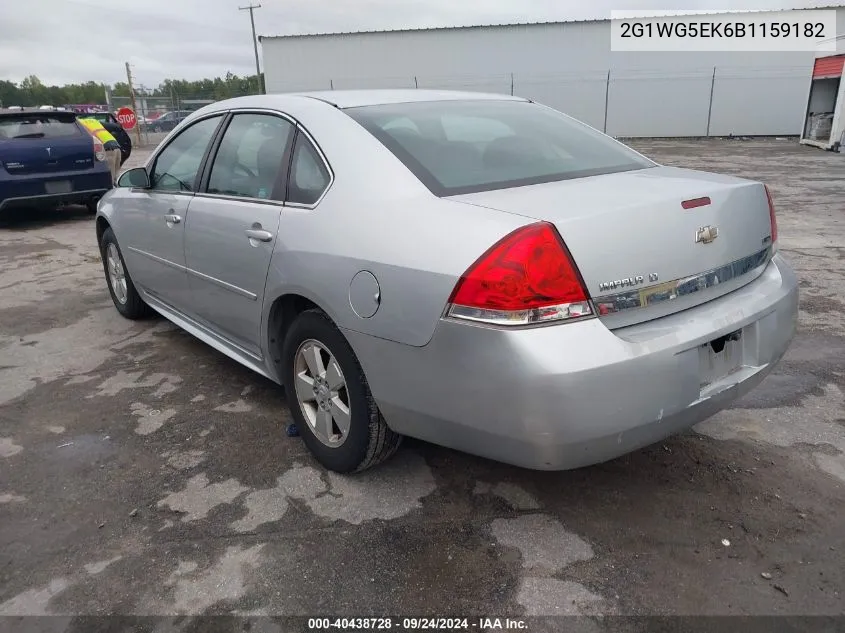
416,624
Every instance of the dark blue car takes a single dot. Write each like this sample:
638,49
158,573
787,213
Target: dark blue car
47,159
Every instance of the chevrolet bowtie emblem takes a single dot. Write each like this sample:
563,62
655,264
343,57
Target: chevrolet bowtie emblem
706,234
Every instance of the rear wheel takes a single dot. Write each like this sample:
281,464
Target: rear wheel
123,293
330,399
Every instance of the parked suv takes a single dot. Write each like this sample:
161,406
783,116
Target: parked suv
48,158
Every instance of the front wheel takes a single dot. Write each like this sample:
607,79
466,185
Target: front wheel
123,293
330,399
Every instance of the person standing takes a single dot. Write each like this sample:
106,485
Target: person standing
110,144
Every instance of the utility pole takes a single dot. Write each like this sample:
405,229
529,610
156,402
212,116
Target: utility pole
251,8
710,105
134,106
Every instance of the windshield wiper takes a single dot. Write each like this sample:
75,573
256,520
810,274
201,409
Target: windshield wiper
30,135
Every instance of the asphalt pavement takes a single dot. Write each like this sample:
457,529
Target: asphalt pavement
143,473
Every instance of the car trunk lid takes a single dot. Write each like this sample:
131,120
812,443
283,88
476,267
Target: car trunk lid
651,242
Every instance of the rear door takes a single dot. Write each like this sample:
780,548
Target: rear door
232,226
152,221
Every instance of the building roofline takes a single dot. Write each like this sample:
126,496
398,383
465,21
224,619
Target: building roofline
510,24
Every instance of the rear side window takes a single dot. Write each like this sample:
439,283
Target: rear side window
309,177
249,161
457,147
38,126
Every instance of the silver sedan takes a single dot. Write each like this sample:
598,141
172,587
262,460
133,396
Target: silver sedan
478,271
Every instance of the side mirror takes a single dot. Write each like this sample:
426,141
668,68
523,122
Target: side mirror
136,177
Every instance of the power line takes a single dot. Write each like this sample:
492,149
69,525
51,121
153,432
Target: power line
251,8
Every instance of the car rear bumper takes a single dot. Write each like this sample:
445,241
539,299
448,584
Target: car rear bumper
565,396
31,190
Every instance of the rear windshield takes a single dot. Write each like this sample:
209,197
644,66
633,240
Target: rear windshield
37,126
457,147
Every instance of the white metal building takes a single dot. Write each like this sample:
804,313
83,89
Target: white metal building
825,124
567,65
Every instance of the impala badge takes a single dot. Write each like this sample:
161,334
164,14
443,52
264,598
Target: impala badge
627,282
706,234
49,149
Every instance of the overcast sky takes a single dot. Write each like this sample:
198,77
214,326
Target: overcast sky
64,41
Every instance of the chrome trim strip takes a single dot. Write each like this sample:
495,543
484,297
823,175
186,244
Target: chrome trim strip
236,289
671,290
234,198
156,258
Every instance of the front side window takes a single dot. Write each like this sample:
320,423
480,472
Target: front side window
457,147
178,164
309,176
249,161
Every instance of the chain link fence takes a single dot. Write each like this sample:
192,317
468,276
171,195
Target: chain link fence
157,115
623,102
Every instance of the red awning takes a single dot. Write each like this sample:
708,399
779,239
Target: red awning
829,66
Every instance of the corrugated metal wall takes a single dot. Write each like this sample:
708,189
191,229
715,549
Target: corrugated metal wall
566,66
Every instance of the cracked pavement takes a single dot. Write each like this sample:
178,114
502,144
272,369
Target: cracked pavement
143,473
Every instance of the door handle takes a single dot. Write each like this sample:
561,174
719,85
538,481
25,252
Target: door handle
172,218
259,234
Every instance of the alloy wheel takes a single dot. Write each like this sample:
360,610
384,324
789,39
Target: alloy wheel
322,393
117,275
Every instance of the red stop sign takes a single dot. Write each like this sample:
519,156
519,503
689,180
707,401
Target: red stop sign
126,118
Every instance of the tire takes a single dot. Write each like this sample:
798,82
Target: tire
369,441
132,307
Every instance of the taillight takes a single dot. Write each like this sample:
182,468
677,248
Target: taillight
772,218
527,277
99,150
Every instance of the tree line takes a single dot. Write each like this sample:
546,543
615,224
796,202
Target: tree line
32,92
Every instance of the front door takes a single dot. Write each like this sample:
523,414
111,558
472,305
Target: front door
231,229
154,219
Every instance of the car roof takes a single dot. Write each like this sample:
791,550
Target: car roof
359,98
353,98
29,111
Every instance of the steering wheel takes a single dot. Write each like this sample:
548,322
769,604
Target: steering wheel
244,170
